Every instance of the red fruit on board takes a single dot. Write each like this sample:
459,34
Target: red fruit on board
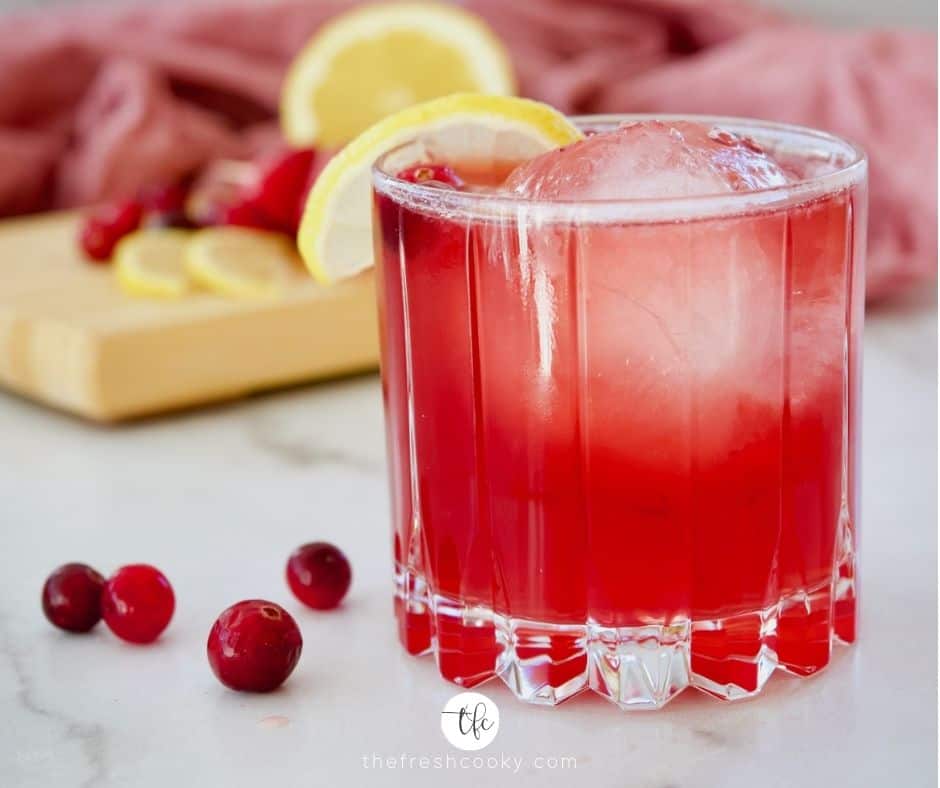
101,230
164,197
219,184
244,213
176,219
282,183
165,205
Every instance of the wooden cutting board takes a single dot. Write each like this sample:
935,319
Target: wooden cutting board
69,337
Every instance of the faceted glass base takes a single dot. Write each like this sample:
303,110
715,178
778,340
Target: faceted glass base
641,667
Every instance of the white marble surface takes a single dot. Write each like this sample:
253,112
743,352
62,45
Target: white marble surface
218,498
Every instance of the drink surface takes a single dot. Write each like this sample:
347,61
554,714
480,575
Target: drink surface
636,435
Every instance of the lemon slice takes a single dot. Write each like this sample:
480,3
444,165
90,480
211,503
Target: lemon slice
376,60
237,261
151,263
335,237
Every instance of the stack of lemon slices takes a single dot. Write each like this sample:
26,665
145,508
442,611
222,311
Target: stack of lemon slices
370,79
230,261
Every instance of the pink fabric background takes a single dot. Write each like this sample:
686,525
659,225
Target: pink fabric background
97,102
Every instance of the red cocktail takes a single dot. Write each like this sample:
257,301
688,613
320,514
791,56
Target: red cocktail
622,424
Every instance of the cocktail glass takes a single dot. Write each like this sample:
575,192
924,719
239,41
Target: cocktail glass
623,434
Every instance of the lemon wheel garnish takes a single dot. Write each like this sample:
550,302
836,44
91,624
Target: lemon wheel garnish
240,262
371,62
335,237
151,263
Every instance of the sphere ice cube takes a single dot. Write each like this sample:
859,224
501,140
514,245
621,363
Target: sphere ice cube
648,159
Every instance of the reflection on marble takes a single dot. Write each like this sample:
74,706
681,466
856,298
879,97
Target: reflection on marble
218,498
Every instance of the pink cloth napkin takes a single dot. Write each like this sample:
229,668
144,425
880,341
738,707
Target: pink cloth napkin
95,103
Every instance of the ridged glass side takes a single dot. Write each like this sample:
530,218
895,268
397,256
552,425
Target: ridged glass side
623,457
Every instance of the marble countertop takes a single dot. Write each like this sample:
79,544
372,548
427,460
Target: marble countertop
217,499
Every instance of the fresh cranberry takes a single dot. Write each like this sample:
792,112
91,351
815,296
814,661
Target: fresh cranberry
221,183
137,603
319,575
102,229
71,597
432,175
175,219
282,183
164,197
165,205
254,646
243,213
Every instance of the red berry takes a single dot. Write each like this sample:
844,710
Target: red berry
254,646
319,575
243,214
220,184
102,229
432,175
165,205
71,597
137,603
177,219
281,185
164,197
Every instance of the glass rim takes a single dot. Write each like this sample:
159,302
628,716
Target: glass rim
655,209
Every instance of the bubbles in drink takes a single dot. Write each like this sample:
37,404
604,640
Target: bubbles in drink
649,159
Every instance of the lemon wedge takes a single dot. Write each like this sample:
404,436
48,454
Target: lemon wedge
239,262
368,63
335,237
151,263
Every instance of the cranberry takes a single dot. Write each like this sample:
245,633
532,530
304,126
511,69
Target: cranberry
102,229
390,214
243,213
176,219
137,603
221,183
282,184
432,175
319,575
164,197
165,205
254,646
71,597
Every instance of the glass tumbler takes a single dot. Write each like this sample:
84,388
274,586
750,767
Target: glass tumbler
623,434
